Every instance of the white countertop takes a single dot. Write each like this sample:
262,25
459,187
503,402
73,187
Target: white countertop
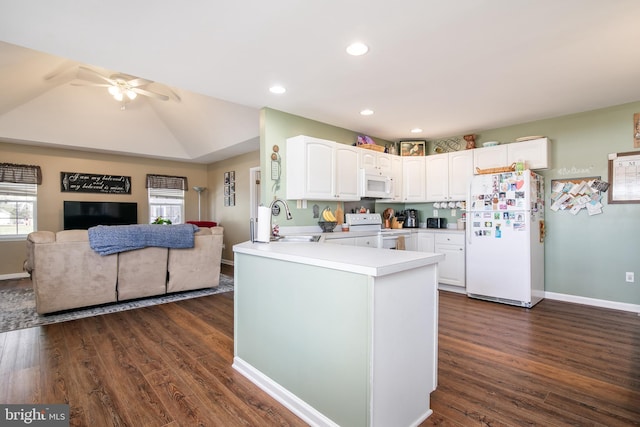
360,260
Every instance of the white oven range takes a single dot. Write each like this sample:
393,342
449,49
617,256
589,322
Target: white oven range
387,237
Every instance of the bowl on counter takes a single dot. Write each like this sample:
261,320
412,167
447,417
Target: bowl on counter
490,143
327,226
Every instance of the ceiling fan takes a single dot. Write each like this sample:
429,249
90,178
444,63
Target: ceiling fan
123,87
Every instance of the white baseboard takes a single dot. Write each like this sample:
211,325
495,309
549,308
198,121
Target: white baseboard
452,288
226,262
634,308
289,400
22,275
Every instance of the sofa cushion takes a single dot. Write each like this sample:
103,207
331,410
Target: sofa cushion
72,236
142,273
70,274
198,267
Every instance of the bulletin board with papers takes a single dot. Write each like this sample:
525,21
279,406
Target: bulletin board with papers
624,176
574,195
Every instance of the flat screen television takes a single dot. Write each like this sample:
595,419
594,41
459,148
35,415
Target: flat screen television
83,215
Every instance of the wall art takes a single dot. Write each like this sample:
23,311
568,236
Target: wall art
78,182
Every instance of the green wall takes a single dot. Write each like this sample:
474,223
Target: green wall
585,256
275,128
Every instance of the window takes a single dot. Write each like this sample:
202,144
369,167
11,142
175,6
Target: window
166,197
18,199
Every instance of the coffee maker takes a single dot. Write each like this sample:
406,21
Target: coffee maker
411,219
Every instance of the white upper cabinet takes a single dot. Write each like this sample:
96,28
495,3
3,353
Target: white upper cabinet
413,179
376,161
490,157
460,174
437,175
535,153
346,174
314,166
448,175
396,176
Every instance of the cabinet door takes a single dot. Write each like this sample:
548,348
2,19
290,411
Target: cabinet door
452,269
437,177
347,183
310,168
535,153
347,241
460,174
426,242
413,179
396,176
319,159
490,157
367,241
384,163
368,159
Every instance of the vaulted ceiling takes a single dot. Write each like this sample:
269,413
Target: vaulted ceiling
448,67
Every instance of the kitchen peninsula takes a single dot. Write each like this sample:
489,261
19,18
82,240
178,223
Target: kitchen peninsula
339,335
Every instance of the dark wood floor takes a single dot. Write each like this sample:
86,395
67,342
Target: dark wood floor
557,364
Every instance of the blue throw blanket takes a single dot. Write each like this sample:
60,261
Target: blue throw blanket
110,239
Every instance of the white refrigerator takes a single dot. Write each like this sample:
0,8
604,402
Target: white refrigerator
505,238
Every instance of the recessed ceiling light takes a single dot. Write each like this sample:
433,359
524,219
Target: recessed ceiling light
277,90
366,112
357,49
416,130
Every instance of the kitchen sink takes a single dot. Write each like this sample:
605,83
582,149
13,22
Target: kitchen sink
297,238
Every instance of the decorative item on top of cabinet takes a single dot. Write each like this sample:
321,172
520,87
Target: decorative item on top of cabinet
413,148
471,141
447,145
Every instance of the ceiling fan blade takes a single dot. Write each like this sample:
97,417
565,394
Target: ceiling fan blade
94,73
91,84
150,94
138,81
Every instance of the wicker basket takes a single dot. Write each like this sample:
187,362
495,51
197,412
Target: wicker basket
496,170
373,147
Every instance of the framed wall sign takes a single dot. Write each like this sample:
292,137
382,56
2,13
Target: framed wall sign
624,177
78,182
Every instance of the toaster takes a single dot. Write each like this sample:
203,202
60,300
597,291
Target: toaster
436,222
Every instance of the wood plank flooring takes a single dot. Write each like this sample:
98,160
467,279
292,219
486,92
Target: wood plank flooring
557,364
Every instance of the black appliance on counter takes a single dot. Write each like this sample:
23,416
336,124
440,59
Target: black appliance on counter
436,222
411,219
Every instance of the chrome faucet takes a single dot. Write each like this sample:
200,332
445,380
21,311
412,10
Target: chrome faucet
286,210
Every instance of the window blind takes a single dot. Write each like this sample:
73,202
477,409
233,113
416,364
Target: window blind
167,181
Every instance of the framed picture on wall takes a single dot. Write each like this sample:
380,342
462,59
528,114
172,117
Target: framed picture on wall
413,148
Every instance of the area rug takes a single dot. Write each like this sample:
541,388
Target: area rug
18,306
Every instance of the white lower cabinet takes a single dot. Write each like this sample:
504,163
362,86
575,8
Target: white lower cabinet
452,269
426,242
348,241
367,241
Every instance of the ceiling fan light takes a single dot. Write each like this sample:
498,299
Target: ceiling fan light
131,94
118,96
113,90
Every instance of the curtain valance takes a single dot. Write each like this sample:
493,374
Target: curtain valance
166,181
20,174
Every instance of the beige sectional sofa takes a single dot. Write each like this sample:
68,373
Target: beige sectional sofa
66,273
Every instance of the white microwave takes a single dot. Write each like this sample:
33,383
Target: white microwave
375,185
